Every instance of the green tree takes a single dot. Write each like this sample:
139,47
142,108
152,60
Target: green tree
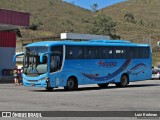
102,25
94,7
35,24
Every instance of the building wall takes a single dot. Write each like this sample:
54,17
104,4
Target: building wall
7,50
19,46
6,61
8,39
14,17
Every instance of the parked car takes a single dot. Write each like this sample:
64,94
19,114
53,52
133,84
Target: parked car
156,74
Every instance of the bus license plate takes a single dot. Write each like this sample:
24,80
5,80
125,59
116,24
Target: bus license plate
32,84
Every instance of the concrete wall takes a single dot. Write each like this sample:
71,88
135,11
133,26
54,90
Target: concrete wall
6,58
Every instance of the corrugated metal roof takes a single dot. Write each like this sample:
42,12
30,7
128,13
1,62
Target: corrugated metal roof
12,19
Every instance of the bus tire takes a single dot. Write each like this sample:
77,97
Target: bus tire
123,82
71,84
104,85
49,88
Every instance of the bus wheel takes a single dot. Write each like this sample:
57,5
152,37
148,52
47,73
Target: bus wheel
49,88
123,82
104,85
71,84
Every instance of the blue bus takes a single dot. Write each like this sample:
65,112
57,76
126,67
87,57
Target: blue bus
53,64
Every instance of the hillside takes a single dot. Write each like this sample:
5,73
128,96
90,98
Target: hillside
147,19
52,16
146,23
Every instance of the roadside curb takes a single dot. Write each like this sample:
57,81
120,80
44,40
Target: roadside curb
2,81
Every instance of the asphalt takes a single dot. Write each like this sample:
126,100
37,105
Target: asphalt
137,96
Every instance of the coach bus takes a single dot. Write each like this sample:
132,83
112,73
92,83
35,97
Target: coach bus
67,64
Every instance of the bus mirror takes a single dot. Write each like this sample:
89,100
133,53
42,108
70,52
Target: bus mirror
158,43
15,56
41,56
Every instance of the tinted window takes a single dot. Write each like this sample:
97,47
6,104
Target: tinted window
110,53
74,52
143,52
132,52
57,50
103,53
155,71
138,52
119,52
91,52
56,58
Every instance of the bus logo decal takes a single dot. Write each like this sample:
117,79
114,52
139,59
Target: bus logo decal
107,64
108,77
137,69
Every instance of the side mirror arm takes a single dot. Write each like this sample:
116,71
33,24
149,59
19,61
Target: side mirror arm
15,56
41,56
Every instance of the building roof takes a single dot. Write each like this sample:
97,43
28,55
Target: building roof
77,36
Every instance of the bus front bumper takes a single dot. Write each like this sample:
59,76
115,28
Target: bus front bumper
35,83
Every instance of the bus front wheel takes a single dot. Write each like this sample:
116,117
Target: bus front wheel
49,88
71,84
104,85
123,82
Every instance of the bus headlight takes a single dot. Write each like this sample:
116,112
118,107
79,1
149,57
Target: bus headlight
43,79
24,79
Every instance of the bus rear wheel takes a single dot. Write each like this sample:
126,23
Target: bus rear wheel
71,84
124,81
104,85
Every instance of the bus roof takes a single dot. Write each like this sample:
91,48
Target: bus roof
87,43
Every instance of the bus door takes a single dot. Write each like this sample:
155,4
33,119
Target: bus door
56,58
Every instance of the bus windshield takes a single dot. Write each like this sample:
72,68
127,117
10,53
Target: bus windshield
32,64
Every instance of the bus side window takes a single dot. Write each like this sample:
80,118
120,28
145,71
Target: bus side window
56,58
110,52
55,63
91,52
120,52
106,52
145,51
44,60
74,52
132,53
103,52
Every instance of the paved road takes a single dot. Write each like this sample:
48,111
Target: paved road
138,96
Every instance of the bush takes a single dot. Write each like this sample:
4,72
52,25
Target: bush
129,17
35,25
102,25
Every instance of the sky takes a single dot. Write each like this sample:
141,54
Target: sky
88,3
